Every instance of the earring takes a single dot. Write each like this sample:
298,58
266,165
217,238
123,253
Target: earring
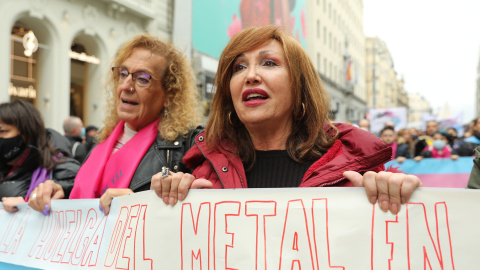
230,119
303,114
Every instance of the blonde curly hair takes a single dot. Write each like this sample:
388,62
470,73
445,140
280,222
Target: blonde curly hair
183,111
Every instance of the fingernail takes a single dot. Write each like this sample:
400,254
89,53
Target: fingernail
384,206
46,211
105,213
180,197
394,208
100,207
171,201
373,199
165,200
403,200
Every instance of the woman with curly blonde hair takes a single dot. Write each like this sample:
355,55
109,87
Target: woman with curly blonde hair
152,112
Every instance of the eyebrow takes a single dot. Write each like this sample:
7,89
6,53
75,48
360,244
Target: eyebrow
259,53
141,70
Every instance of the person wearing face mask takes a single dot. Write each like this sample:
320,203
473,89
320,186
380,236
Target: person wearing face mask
27,157
439,149
75,133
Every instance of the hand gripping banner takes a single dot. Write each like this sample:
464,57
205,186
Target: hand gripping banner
294,228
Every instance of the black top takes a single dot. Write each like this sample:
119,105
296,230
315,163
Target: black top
275,169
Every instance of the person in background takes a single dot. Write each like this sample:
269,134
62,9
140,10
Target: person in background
90,133
466,147
469,129
404,137
426,140
453,140
474,179
27,158
364,124
439,148
269,128
400,152
153,109
75,133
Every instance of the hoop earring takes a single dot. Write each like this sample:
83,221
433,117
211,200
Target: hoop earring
303,114
229,115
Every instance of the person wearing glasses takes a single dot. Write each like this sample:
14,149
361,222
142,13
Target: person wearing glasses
152,115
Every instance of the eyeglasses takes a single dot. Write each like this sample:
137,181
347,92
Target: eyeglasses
141,79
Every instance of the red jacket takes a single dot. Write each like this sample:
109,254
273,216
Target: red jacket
355,150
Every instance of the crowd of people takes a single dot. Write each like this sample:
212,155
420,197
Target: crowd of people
411,143
268,127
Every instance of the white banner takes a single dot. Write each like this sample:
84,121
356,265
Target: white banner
299,228
378,118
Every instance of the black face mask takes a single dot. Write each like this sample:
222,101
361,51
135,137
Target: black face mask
11,148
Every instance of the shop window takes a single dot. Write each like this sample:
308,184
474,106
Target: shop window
23,63
77,82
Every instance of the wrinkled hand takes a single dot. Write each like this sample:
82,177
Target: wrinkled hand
42,195
175,186
10,203
389,189
107,197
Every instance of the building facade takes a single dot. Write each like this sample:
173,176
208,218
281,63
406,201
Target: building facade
418,106
385,89
60,51
336,45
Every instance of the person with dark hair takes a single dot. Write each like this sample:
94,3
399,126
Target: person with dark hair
91,133
400,152
426,140
269,128
27,158
152,117
466,147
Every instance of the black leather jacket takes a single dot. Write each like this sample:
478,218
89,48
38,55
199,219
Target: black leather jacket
162,153
18,182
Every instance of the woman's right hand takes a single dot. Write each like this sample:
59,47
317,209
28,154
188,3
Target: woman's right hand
175,186
42,195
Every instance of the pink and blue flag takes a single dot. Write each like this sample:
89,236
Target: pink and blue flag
438,172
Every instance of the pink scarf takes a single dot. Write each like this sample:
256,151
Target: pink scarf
394,149
104,170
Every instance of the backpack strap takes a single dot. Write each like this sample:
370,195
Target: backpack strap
74,148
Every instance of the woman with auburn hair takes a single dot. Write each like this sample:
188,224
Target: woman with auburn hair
269,128
150,123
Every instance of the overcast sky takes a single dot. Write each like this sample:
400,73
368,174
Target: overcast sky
434,44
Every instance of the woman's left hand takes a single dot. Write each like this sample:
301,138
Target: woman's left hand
390,189
10,203
107,197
